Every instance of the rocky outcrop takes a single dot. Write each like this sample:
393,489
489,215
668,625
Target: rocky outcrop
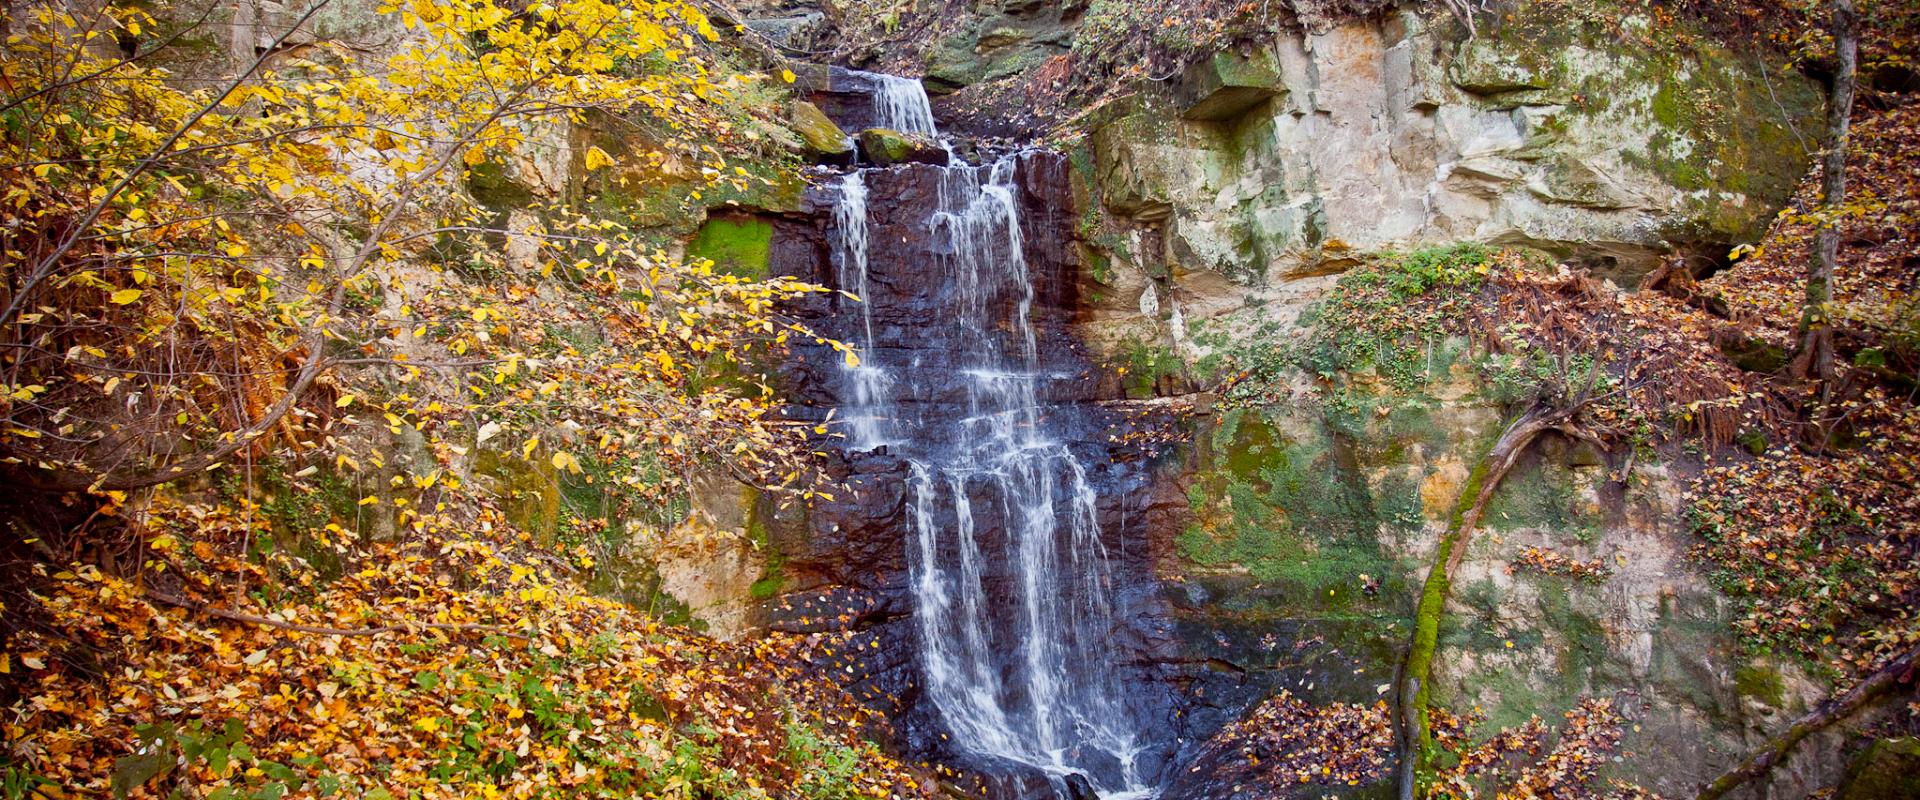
1394,132
1005,38
825,143
1307,528
1886,769
1224,206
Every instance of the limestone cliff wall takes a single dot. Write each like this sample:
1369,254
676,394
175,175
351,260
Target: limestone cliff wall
1275,164
1219,209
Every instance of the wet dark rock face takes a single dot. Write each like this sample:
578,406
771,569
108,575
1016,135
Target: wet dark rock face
1189,666
846,562
1193,664
847,97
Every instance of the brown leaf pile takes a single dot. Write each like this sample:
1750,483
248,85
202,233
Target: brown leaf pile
1874,290
457,665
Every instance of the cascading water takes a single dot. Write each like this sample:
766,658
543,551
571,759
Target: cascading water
1009,576
869,380
901,104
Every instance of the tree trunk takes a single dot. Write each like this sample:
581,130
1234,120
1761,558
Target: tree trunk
1815,359
1415,737
1896,673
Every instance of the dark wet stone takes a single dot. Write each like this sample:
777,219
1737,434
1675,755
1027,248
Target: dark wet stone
846,559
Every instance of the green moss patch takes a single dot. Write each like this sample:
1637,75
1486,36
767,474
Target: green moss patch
1540,495
1289,514
1761,682
528,490
738,244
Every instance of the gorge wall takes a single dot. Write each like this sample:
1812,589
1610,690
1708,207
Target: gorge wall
1282,547
1220,209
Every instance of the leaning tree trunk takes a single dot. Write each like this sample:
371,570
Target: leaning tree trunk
1415,735
1815,359
1897,673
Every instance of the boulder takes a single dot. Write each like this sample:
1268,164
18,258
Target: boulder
793,33
888,147
822,140
1887,769
1022,36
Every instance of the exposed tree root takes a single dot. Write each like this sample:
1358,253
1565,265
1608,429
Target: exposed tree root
1898,672
1416,737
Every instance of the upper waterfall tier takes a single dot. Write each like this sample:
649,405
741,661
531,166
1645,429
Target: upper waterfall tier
858,100
901,104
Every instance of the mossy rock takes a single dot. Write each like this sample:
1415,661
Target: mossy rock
1225,86
991,50
738,244
632,579
886,148
637,192
492,188
1753,354
528,489
822,141
1541,493
1291,513
1491,67
1716,124
1889,769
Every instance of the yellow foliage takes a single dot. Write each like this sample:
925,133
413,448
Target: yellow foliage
390,682
204,276
254,221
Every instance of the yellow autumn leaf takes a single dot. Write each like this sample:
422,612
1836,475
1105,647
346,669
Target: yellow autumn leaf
597,158
125,296
787,75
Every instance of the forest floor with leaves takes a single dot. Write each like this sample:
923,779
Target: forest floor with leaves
458,663
1818,534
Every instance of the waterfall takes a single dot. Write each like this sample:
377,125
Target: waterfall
1009,575
901,104
870,382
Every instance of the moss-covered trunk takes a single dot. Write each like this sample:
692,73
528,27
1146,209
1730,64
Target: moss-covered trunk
1416,684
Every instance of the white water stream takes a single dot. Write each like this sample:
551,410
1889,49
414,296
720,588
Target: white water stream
1019,668
901,104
